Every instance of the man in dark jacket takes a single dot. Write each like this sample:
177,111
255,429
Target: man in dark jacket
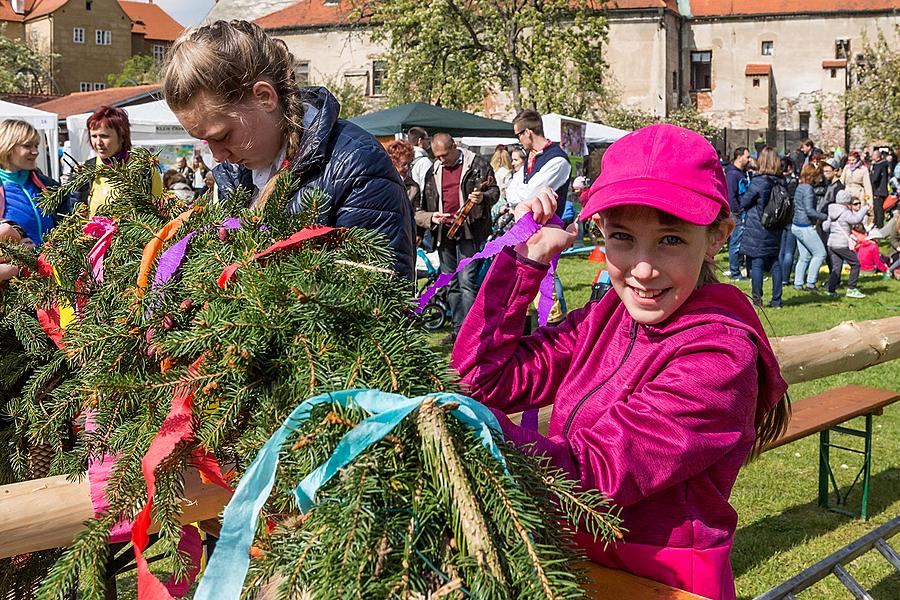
458,177
737,181
352,169
879,175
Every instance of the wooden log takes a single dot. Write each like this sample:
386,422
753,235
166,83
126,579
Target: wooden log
850,346
47,513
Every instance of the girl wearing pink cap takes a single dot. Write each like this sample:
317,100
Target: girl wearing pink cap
661,391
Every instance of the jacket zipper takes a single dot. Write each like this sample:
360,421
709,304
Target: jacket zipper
633,336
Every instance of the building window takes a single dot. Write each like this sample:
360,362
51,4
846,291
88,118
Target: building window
834,73
756,82
158,51
85,86
78,35
379,70
701,70
674,81
804,123
842,49
88,4
103,37
301,72
99,86
768,48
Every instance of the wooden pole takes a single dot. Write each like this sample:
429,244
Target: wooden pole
851,346
47,513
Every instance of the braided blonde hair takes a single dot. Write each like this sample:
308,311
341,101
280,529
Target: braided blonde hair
226,59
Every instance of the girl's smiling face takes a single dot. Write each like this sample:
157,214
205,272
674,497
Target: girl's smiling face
655,259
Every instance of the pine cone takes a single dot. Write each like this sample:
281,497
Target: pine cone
40,457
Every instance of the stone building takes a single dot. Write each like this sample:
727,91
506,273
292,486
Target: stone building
760,68
87,40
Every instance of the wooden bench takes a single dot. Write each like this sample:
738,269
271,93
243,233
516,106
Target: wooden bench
823,414
611,584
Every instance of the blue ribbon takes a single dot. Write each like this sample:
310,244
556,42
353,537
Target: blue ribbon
227,569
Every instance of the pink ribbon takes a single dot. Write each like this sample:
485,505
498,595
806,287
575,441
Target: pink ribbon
104,229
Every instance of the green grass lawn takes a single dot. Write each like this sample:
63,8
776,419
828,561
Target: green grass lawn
781,530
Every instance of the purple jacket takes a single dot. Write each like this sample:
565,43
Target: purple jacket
659,417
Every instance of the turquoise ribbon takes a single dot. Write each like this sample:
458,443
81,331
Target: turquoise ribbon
227,569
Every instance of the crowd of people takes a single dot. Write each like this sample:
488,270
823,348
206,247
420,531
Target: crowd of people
440,189
841,205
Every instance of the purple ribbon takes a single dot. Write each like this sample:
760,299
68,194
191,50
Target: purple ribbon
171,260
520,232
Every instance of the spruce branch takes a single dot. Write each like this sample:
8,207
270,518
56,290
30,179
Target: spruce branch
446,468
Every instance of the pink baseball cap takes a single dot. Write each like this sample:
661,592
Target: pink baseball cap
669,168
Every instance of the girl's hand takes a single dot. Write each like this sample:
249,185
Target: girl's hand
542,206
550,240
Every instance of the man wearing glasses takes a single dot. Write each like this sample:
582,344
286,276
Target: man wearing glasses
547,164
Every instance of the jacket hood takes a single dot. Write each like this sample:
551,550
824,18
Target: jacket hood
314,150
835,210
725,304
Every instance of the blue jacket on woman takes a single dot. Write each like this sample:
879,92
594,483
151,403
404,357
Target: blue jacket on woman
758,241
19,202
353,170
805,213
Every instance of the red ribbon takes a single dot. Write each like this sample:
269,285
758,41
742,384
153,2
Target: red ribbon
178,426
292,242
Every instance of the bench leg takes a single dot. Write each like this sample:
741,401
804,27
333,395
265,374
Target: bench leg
824,468
867,469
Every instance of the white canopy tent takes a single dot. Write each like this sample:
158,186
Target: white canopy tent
595,133
45,123
152,124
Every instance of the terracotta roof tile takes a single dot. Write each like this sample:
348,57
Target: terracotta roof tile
82,102
40,8
758,70
839,63
720,8
634,4
308,13
152,21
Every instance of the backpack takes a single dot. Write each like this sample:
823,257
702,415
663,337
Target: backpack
779,210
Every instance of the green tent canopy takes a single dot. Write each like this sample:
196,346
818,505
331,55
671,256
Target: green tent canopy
433,119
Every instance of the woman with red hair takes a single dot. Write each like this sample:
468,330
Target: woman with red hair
110,138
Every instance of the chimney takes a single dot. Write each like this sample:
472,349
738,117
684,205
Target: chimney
18,6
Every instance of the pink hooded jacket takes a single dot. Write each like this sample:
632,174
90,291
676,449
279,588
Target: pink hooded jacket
659,417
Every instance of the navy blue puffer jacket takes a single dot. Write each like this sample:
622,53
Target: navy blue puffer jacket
758,241
353,170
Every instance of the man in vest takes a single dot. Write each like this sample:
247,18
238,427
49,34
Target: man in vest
458,176
547,166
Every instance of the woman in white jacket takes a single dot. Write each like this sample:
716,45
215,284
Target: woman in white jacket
842,215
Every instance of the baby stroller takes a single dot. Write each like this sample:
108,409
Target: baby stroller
437,312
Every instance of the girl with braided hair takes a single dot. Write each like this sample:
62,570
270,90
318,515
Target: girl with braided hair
233,85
